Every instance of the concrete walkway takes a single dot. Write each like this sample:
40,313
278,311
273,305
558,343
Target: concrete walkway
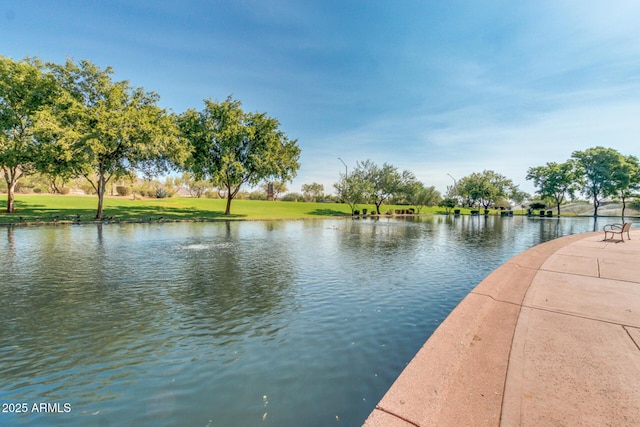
551,338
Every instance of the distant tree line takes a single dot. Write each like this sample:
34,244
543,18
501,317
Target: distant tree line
371,183
484,190
598,173
73,120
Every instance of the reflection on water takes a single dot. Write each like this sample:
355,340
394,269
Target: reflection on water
271,323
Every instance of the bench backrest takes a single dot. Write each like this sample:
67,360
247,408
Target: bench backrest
626,227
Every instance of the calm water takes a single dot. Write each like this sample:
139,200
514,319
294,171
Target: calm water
233,324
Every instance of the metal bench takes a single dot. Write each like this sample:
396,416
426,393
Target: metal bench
614,229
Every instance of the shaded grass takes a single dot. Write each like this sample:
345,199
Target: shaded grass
57,208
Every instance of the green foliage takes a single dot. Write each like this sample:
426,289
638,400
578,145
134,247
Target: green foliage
352,190
87,188
258,195
377,184
230,147
626,176
293,197
144,189
123,190
484,189
555,181
26,96
312,192
448,203
278,187
597,168
381,182
195,187
211,194
416,194
112,129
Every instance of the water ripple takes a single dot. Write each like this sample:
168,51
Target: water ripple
235,323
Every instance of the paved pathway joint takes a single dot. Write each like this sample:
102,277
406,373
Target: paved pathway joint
552,337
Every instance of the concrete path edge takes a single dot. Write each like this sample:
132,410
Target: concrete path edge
458,377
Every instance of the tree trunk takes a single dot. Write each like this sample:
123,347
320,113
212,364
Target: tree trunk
624,206
227,211
11,177
558,209
101,188
596,203
10,196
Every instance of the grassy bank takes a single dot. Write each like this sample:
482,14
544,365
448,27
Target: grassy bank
56,208
33,209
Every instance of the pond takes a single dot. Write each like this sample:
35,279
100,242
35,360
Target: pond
233,323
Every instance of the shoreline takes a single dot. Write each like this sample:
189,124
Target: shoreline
302,218
550,337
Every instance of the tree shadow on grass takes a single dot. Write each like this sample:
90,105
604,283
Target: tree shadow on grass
34,213
327,212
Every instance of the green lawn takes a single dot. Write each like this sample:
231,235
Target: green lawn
48,208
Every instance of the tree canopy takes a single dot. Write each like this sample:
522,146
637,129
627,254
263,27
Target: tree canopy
312,192
626,176
383,182
114,130
230,147
484,188
555,181
596,166
26,92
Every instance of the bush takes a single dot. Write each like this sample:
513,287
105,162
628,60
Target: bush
258,195
537,205
123,190
144,190
292,197
64,190
20,187
161,193
242,195
37,190
87,188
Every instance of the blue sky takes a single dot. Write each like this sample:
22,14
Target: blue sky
436,87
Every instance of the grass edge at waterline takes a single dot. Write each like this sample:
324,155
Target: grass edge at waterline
33,209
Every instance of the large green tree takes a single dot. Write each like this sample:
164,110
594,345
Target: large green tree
196,188
484,188
230,147
554,181
26,93
416,193
383,181
626,176
353,190
424,196
114,129
596,167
